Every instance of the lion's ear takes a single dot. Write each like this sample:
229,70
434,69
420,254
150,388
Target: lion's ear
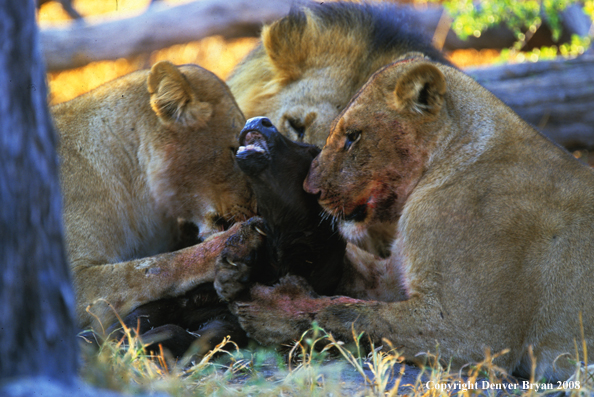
173,99
284,41
421,89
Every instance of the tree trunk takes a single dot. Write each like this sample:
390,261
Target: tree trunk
557,96
37,329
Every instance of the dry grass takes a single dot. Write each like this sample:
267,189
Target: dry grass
126,366
313,366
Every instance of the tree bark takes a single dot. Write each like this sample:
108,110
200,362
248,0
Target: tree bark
557,96
159,27
37,329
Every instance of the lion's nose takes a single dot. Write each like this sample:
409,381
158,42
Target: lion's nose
311,183
310,187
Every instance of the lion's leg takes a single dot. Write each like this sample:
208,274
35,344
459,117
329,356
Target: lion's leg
414,327
282,313
121,287
367,276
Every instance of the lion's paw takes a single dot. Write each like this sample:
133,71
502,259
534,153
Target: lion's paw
234,265
278,314
269,326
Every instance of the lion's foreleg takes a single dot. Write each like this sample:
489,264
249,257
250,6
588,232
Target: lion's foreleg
415,326
366,276
418,328
106,289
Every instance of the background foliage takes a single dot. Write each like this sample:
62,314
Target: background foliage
471,18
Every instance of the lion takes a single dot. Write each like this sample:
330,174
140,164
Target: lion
495,238
137,155
311,62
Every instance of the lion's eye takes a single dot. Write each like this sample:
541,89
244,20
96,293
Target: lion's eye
297,127
352,137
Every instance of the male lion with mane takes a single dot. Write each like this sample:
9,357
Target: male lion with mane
138,153
311,62
495,229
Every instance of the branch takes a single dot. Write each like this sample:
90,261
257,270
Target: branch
159,27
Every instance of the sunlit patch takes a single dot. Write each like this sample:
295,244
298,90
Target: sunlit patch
212,53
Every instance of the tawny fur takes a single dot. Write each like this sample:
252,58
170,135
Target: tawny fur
495,229
137,154
311,62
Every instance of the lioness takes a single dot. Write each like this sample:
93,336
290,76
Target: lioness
136,154
495,228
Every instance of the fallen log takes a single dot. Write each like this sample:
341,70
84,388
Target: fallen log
160,26
557,97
